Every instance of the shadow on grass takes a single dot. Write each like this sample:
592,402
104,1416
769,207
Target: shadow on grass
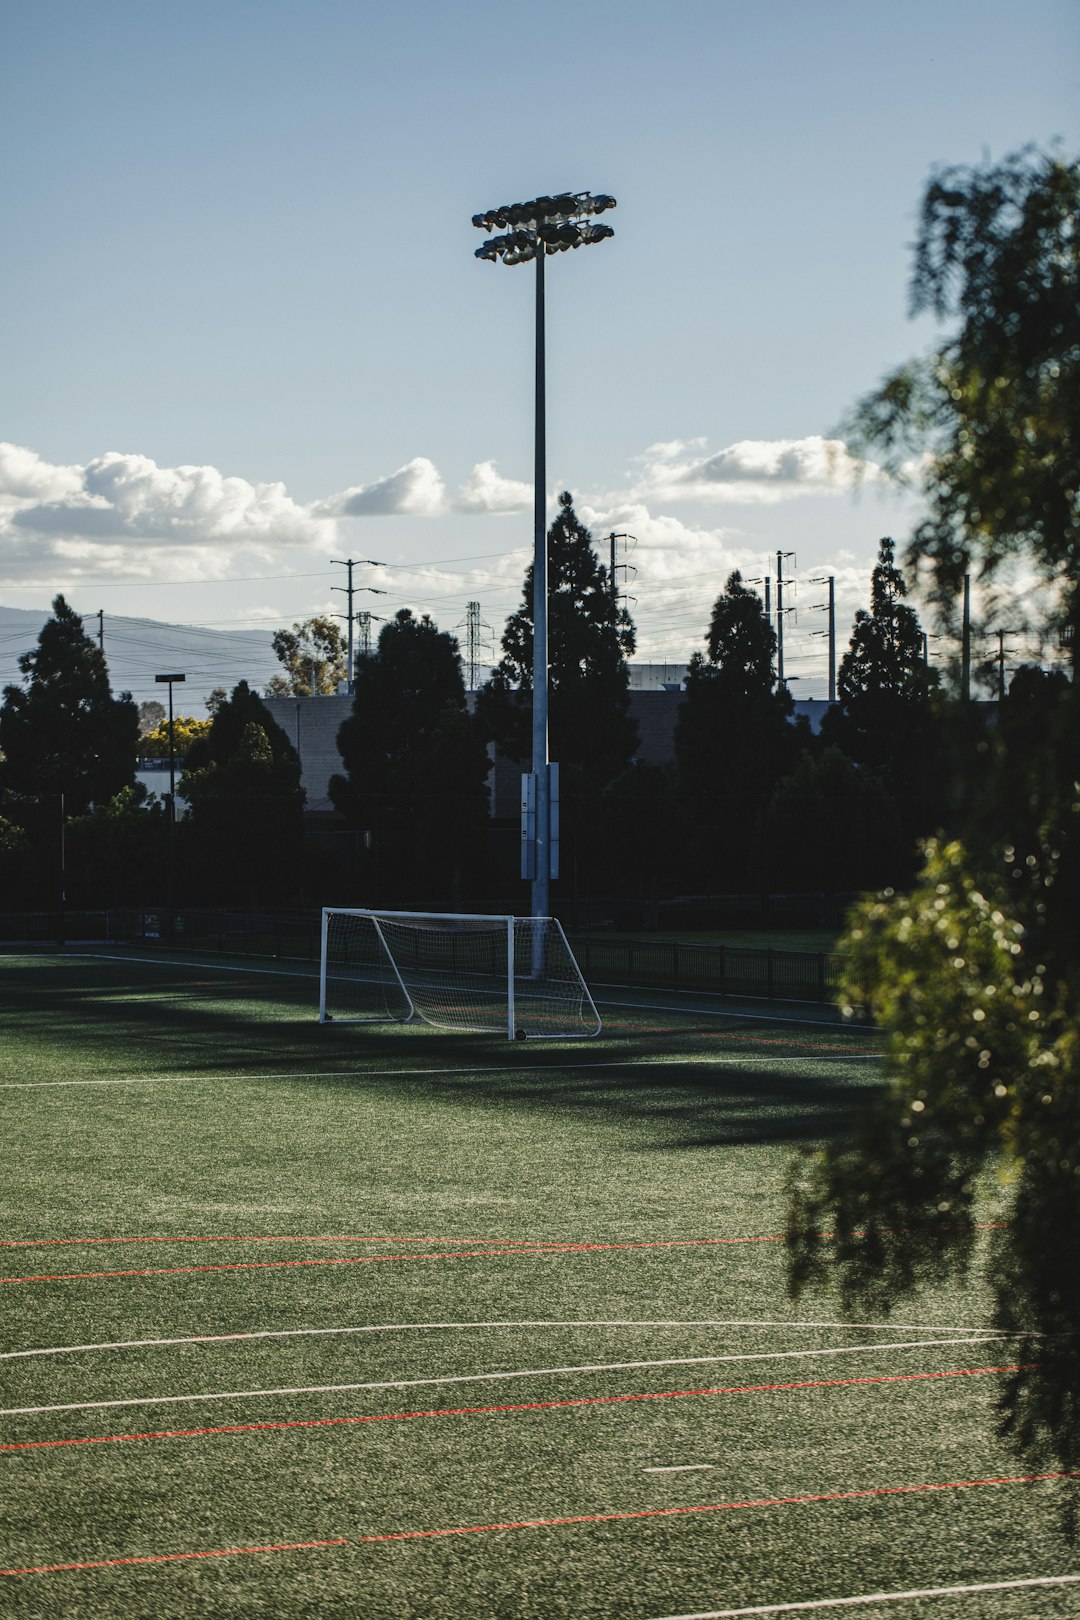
671,1087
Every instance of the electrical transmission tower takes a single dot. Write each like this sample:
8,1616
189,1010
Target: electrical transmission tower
476,643
364,621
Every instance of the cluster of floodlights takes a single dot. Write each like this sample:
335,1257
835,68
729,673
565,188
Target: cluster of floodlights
547,225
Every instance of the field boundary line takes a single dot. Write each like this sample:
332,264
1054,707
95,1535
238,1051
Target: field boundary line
311,973
542,1524
523,1250
876,1597
354,1420
489,1377
374,1074
255,1237
448,1327
175,1558
720,1507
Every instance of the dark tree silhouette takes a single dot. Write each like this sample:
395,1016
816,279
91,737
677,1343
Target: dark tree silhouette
733,740
243,837
415,763
589,640
62,731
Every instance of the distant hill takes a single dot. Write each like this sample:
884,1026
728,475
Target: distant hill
139,649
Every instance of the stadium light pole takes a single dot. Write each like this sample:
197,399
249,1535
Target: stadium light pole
533,231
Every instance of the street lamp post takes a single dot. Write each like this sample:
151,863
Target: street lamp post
169,680
532,231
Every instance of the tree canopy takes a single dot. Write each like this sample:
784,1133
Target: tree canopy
975,975
415,761
590,638
314,654
244,833
62,731
732,738
991,418
883,718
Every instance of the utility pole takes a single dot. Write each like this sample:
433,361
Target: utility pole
780,555
475,643
349,590
766,580
830,609
965,643
101,629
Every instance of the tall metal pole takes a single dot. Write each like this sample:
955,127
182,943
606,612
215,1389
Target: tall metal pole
349,662
780,618
965,643
540,883
832,638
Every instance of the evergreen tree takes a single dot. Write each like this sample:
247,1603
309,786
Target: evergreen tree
62,731
733,739
415,764
243,836
589,640
885,719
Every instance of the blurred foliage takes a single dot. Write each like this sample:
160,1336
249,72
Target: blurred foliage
990,421
975,975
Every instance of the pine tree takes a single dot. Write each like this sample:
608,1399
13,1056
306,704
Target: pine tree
415,763
590,638
62,731
732,739
243,837
884,718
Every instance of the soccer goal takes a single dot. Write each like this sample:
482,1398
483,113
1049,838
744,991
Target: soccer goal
512,975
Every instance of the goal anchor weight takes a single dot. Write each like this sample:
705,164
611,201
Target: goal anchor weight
469,972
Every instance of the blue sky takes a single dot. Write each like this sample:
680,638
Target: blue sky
240,299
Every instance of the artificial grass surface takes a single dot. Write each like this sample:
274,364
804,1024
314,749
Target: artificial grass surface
566,1186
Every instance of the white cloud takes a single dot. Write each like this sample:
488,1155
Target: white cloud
487,491
120,496
25,476
751,472
416,490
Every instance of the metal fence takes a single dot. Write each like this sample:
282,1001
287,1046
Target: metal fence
752,973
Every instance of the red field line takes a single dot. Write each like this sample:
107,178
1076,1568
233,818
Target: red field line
545,1524
244,1237
174,1558
373,1259
717,1507
515,1406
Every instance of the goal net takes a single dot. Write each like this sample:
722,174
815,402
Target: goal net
513,975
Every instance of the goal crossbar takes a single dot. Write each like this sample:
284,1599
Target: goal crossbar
471,972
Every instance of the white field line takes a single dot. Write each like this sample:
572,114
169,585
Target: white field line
877,1597
707,1060
606,1001
490,1377
462,1327
680,1468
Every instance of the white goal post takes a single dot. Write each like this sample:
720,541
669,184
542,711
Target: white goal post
512,975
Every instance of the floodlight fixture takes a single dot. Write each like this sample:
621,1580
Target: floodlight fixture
532,232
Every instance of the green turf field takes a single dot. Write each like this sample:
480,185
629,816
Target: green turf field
313,1321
